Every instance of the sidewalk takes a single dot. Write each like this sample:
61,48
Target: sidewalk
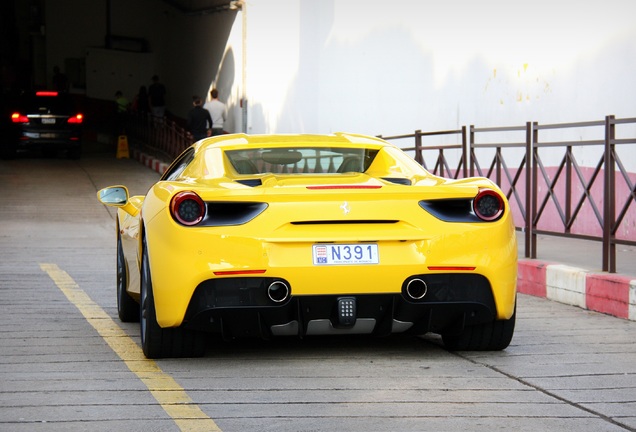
566,270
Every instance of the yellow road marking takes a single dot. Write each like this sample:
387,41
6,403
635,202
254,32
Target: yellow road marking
170,395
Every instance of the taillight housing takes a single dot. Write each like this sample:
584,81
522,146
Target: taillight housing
76,119
19,118
488,205
187,208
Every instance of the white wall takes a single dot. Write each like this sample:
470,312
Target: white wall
376,66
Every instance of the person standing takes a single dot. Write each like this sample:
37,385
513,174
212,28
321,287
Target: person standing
199,120
217,111
157,97
121,102
140,103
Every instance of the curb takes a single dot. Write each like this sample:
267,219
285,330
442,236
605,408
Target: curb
150,161
600,292
607,293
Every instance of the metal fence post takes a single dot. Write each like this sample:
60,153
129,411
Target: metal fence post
609,199
464,152
529,206
418,147
471,141
533,214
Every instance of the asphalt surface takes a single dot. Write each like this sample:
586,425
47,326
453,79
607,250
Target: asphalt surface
63,368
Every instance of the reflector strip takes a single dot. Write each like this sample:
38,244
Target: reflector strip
451,268
345,187
238,272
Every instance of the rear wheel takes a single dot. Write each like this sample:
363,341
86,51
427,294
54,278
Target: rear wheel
127,307
158,342
492,336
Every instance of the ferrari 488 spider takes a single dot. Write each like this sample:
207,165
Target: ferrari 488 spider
300,235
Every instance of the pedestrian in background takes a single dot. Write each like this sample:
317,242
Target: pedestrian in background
121,102
217,111
140,103
199,120
157,97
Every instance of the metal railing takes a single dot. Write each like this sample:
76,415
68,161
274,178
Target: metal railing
545,199
160,136
549,199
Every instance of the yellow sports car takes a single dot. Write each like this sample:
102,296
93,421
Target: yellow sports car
300,235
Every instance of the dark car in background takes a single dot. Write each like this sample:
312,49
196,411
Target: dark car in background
48,121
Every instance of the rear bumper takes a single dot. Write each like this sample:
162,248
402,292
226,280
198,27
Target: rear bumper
26,143
184,259
33,138
241,307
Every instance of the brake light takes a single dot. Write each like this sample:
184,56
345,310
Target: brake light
46,93
488,205
451,268
19,118
78,119
187,208
238,272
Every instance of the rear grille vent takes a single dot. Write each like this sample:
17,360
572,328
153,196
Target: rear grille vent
398,180
250,182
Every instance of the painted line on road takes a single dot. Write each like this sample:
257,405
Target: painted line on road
170,395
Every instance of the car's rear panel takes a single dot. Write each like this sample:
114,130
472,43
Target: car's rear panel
221,262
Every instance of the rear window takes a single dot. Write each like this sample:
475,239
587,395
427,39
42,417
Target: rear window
301,160
60,104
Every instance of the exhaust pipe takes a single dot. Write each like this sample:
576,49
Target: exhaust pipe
416,289
278,291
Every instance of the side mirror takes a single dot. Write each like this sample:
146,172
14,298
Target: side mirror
117,196
114,196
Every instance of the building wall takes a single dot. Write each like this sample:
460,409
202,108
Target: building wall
378,67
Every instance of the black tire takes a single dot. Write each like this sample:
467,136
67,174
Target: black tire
127,307
492,336
157,342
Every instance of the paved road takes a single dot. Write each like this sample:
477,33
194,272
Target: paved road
67,363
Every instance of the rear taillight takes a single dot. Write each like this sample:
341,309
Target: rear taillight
19,118
187,208
46,93
77,119
488,205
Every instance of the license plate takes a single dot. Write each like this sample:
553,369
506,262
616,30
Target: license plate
345,254
48,121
